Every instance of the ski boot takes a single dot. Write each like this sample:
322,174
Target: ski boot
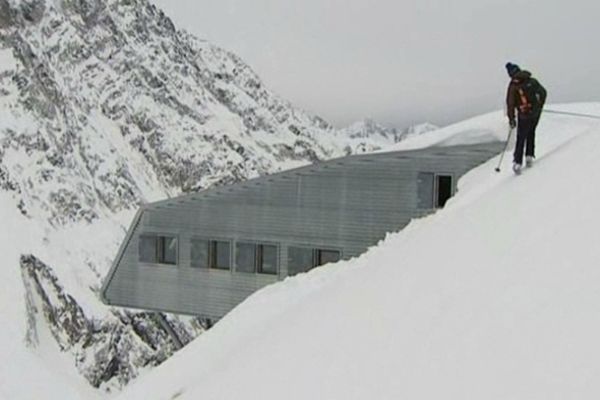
517,168
529,161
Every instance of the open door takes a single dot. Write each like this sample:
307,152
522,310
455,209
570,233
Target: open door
443,190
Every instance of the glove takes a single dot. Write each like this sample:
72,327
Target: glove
512,123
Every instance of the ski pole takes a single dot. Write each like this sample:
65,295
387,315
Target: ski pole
510,130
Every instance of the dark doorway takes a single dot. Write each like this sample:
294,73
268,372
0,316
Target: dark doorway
444,190
327,256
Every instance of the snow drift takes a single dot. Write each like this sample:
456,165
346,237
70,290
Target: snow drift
494,297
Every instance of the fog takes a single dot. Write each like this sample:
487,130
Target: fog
403,62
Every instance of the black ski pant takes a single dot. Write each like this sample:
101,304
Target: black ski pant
525,138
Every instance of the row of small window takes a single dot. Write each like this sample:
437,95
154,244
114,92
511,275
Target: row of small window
249,257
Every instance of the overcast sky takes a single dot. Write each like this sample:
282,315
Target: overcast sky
403,62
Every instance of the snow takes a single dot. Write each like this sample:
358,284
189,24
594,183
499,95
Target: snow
482,129
6,59
37,370
494,297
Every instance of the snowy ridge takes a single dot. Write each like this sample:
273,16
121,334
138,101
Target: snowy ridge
481,129
505,307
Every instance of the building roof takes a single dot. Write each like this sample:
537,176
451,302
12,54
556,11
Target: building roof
434,151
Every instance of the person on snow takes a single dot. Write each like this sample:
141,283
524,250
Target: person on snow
526,95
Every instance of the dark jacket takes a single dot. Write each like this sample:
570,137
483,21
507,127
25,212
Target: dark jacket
512,95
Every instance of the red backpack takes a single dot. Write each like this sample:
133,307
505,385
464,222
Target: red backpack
529,96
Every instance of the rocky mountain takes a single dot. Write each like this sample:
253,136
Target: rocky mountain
379,135
371,130
416,130
106,105
109,94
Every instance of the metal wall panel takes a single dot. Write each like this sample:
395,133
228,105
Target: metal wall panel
347,204
425,189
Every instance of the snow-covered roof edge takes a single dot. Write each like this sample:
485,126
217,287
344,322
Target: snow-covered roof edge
313,168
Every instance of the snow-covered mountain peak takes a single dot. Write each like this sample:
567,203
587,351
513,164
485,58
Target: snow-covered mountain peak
417,130
118,107
382,137
367,127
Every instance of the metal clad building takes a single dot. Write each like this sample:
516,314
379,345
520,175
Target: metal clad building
204,253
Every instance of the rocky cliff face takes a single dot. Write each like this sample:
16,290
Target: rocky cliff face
108,352
107,99
106,105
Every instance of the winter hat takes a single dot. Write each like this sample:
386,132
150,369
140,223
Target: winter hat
512,69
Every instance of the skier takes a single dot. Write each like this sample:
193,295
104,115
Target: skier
528,96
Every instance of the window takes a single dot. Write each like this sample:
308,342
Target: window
147,248
167,250
300,259
215,254
252,257
443,190
199,253
220,254
268,257
303,259
327,256
245,257
158,249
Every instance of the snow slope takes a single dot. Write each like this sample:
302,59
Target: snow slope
494,297
38,370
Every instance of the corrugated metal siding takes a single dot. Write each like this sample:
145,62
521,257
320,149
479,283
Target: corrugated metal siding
347,204
425,189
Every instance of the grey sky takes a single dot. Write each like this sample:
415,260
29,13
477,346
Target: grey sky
403,62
